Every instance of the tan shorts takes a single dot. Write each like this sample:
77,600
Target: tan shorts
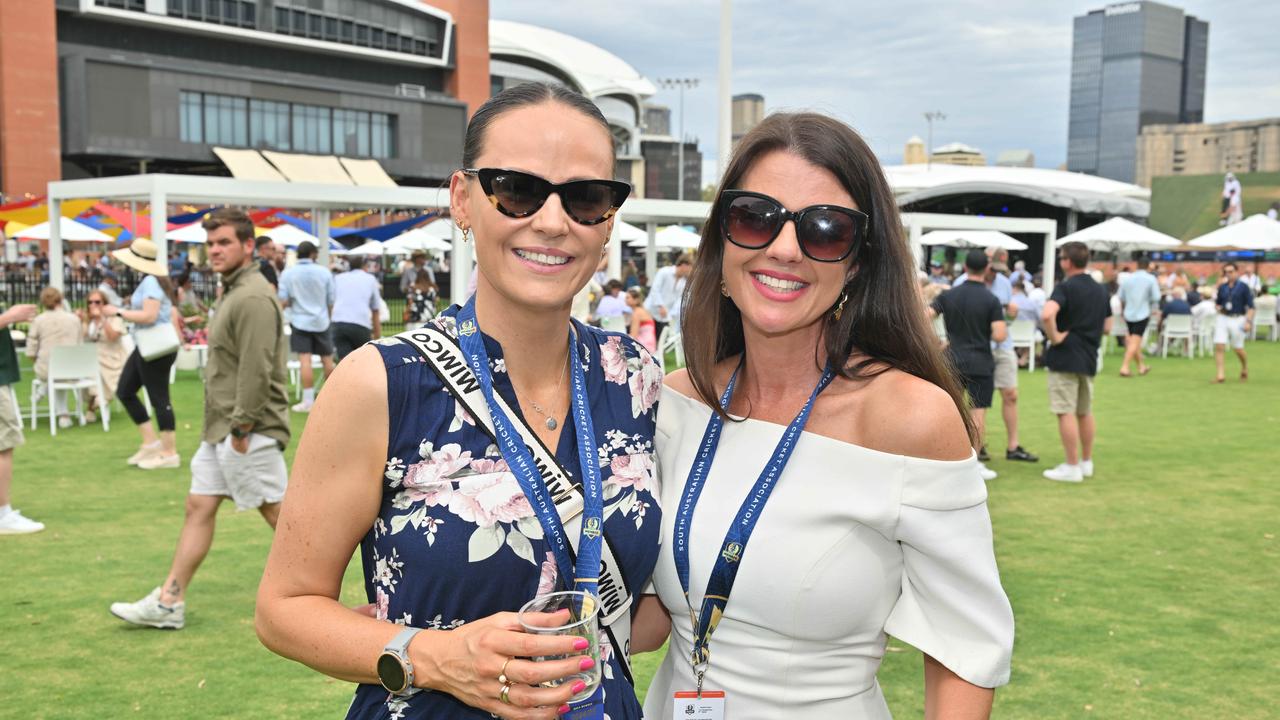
1006,373
1070,393
251,480
10,419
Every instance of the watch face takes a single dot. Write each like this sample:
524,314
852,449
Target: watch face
391,672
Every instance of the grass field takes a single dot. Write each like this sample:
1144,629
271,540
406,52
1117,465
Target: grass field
1187,206
1149,591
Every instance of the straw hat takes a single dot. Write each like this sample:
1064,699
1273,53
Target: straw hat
141,256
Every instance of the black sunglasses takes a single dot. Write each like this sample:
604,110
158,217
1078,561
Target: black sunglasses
519,194
95,302
826,233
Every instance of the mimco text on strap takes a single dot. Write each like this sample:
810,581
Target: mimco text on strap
445,358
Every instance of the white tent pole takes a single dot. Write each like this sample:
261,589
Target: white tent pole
55,244
615,256
159,224
320,224
1050,260
651,252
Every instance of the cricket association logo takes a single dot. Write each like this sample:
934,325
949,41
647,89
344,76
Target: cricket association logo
732,552
468,328
592,530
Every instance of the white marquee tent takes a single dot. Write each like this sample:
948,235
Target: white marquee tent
1120,235
972,239
1257,232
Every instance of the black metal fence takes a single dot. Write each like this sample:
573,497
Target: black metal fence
19,285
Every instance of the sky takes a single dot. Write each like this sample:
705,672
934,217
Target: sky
1001,76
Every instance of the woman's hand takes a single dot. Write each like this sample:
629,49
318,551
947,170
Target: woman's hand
467,661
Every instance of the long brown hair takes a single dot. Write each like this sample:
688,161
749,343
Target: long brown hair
883,318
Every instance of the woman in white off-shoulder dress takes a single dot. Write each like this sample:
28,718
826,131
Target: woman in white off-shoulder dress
876,524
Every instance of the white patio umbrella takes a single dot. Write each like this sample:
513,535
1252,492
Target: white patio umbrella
193,233
972,239
416,239
1257,232
1120,235
68,229
672,237
372,247
441,228
291,237
628,233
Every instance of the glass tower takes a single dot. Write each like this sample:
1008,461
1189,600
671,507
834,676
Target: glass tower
1132,64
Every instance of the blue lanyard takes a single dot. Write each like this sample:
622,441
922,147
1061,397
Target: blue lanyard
520,461
720,584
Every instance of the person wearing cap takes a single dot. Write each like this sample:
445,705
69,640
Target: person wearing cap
974,320
936,275
150,305
308,291
108,287
246,416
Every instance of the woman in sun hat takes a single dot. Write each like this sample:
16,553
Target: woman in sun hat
149,307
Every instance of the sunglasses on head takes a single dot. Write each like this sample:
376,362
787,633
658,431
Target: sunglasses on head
826,233
519,194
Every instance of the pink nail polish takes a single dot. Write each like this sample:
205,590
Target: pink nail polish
586,664
581,644
578,687
562,709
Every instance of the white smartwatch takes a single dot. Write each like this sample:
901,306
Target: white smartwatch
395,671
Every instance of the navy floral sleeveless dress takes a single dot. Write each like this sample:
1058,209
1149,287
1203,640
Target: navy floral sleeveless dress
456,540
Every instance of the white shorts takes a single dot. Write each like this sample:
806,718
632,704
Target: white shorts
1229,330
251,480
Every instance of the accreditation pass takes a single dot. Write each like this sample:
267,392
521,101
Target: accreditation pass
687,705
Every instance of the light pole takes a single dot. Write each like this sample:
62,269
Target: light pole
928,152
681,84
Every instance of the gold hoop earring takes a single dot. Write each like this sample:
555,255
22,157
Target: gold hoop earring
844,297
724,289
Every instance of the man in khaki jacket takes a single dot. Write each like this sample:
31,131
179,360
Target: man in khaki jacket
246,416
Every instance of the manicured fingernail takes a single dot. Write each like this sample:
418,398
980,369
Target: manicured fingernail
562,709
581,644
578,687
586,664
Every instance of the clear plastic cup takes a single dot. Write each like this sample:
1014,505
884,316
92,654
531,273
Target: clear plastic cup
544,615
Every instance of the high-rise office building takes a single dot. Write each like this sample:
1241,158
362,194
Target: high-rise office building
1133,64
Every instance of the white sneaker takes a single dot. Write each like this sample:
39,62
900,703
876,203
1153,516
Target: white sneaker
148,611
143,452
1065,473
155,461
15,523
302,407
1086,468
64,422
986,472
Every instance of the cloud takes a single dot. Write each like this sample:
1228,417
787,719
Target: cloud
1001,72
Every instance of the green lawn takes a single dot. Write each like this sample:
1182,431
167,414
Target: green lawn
1187,206
1149,591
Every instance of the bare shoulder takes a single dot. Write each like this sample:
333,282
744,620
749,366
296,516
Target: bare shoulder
680,381
899,413
359,381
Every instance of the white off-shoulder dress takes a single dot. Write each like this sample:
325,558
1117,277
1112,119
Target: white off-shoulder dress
854,544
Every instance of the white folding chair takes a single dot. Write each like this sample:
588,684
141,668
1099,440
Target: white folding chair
1204,334
1023,334
75,368
669,341
1119,331
1177,327
1264,321
614,323
295,373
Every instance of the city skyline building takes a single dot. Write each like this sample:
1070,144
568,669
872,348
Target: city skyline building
1021,157
1133,64
913,153
661,156
747,112
1243,146
957,154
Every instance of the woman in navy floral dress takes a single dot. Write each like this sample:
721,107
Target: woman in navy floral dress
391,461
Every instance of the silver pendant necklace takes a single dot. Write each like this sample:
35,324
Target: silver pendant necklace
550,421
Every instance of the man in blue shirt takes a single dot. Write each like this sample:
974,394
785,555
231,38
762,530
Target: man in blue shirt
1235,316
1138,294
308,292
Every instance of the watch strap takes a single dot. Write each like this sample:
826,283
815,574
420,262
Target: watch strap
399,646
